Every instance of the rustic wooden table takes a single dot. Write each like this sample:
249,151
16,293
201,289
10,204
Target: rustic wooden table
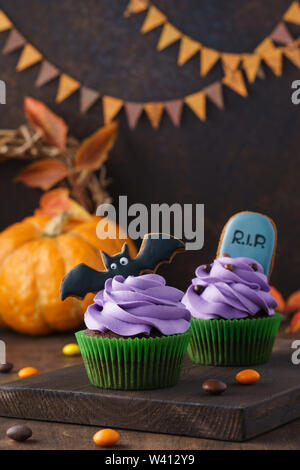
45,354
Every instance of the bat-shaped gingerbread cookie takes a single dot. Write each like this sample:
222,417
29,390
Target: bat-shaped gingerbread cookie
154,251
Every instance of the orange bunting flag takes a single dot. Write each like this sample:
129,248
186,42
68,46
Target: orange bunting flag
111,107
136,6
154,112
188,48
293,54
197,103
251,63
235,81
30,56
271,55
274,61
153,19
230,61
209,57
265,48
168,36
66,87
293,14
5,22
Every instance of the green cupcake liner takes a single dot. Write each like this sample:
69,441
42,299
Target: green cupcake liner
133,364
242,342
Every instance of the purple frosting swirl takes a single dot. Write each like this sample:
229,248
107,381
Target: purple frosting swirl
136,304
238,293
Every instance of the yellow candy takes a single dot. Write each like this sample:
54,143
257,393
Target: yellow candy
71,349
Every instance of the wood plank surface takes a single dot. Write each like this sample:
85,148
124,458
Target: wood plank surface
241,413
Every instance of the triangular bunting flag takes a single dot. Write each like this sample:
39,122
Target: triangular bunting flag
293,54
14,41
293,14
133,113
235,81
30,56
281,34
188,48
174,110
153,19
136,6
230,61
154,112
209,57
111,107
265,48
251,63
87,98
5,22
197,103
47,73
271,55
66,87
215,93
168,36
274,61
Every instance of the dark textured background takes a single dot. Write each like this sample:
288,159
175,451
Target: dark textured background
243,158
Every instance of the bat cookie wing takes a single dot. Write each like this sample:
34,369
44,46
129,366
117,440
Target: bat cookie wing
81,280
157,249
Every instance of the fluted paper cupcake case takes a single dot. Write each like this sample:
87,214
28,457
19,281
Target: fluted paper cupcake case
242,342
133,364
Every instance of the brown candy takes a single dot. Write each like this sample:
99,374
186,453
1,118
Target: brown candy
207,268
199,289
19,432
230,267
226,255
5,368
214,386
254,266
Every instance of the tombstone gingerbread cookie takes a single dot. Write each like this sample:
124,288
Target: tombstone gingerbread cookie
233,318
137,328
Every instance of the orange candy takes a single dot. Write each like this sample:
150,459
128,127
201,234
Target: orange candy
247,376
106,437
27,372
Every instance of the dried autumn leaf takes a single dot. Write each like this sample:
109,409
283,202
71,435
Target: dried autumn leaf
295,324
52,128
57,201
293,302
279,299
94,150
43,174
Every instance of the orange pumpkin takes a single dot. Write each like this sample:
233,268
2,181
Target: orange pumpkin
35,255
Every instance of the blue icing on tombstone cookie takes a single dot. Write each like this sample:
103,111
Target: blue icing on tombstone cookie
252,235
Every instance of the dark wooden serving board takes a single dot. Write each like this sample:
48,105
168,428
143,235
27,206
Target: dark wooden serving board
242,412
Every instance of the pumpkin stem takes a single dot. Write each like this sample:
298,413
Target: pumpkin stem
56,225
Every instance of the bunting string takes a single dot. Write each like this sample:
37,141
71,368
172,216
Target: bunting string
234,74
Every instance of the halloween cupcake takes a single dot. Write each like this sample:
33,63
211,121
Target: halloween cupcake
233,319
137,334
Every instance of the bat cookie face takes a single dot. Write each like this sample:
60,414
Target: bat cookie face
155,250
